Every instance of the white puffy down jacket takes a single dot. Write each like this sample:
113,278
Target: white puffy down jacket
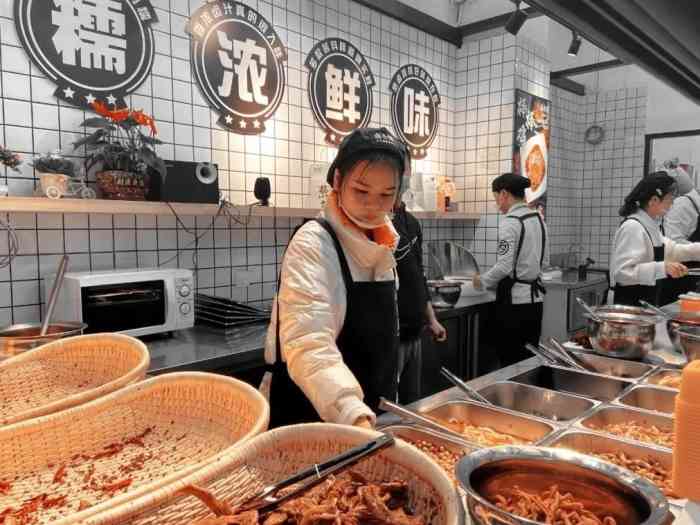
312,305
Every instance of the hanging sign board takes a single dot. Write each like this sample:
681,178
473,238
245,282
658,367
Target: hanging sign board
92,50
340,88
238,61
414,108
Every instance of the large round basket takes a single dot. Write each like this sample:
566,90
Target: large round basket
277,454
68,372
122,446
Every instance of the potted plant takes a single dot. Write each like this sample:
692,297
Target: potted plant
11,160
122,153
54,172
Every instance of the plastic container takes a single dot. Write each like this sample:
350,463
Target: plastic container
690,302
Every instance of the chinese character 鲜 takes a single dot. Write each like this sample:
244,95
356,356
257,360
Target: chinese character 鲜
342,94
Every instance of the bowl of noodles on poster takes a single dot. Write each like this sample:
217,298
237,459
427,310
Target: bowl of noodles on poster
533,165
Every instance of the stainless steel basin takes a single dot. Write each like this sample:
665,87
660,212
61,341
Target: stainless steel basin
651,398
594,386
594,444
535,401
615,367
523,427
615,415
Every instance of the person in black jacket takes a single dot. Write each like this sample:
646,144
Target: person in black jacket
415,310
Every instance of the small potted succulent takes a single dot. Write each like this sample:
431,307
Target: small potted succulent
121,152
9,158
54,171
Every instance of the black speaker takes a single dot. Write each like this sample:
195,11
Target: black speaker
262,190
186,182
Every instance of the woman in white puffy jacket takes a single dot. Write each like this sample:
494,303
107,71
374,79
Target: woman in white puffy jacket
643,259
333,338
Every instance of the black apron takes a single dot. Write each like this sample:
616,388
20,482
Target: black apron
504,289
368,343
630,295
675,287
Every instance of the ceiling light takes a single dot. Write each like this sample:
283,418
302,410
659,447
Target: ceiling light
516,20
575,44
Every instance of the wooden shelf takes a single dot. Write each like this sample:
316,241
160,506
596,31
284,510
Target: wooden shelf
45,205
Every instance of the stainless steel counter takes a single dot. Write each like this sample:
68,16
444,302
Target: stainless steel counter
575,282
203,348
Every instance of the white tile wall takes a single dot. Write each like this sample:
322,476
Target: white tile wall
33,121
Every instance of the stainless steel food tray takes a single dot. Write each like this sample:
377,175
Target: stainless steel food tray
648,397
593,386
661,374
619,368
555,406
527,428
609,414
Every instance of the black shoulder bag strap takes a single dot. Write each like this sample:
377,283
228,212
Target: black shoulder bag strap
695,204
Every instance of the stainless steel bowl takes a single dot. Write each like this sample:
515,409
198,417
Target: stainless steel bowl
603,488
444,293
680,320
689,341
19,338
623,331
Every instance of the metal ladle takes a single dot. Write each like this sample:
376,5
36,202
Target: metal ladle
53,295
589,310
571,357
542,354
456,381
410,415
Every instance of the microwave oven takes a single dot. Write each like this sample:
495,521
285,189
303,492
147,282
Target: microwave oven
133,302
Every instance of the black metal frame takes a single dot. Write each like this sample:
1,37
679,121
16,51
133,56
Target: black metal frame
670,134
493,23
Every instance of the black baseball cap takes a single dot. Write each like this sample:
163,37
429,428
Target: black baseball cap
365,140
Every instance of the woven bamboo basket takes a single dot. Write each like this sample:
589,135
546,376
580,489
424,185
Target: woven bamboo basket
124,445
279,453
68,372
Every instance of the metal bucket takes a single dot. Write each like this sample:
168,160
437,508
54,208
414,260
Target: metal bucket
19,338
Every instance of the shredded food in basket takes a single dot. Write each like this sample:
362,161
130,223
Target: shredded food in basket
348,499
672,381
440,454
550,507
645,433
99,476
482,435
646,467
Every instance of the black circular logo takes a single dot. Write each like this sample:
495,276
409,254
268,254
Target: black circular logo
340,88
92,50
414,108
238,61
503,247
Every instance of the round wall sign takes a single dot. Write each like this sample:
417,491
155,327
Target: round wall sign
238,61
92,50
414,108
340,88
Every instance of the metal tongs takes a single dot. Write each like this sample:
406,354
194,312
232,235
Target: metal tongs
456,381
267,500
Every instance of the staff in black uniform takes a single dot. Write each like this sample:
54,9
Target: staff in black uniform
642,258
516,277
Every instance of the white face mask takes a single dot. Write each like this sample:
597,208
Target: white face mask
362,224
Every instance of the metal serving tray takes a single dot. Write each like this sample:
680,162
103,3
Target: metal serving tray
607,415
527,428
660,375
539,402
590,443
601,388
652,398
619,368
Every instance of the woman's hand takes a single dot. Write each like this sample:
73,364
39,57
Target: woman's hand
438,331
476,281
675,269
363,422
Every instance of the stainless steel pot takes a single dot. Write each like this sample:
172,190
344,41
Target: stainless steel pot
625,332
444,293
630,499
19,338
680,320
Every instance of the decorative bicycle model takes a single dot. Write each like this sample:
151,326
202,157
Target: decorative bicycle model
56,186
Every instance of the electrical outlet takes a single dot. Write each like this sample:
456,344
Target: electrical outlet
242,277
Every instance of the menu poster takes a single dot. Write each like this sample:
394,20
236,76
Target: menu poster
531,145
93,51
